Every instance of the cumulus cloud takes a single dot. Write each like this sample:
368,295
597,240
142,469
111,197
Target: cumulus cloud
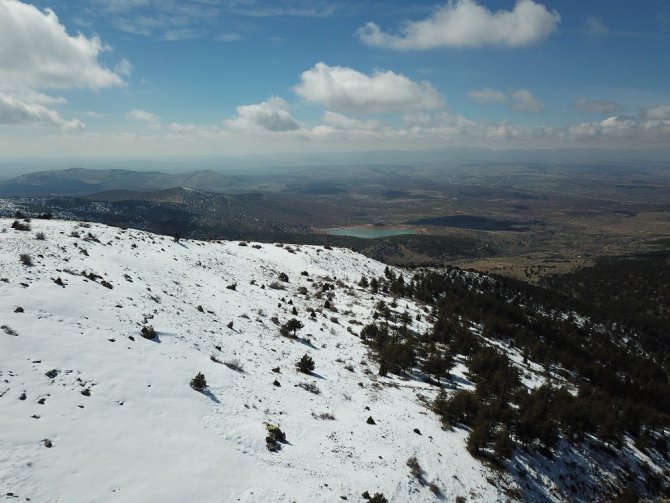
340,121
651,126
660,112
37,53
271,115
465,23
345,89
30,110
520,100
597,106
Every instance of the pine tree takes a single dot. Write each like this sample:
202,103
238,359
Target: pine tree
199,383
305,364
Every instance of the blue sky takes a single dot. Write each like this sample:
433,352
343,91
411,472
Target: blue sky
149,77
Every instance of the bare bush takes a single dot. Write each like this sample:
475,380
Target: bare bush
235,365
312,388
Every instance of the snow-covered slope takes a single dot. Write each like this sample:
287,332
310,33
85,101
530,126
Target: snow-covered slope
140,433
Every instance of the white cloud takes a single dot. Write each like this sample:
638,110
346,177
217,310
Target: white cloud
30,110
465,23
597,106
124,67
345,89
524,101
139,115
486,96
520,100
37,52
660,112
271,115
652,126
339,121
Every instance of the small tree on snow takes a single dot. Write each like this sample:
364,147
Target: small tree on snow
291,327
305,364
199,383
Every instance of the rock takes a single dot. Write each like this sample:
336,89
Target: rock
276,370
366,495
23,396
417,431
52,373
19,310
148,332
275,432
276,383
230,325
201,309
370,420
86,392
47,443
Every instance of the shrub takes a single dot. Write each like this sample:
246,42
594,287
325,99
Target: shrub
312,388
41,236
378,498
235,365
20,226
9,330
435,489
283,277
199,383
415,468
305,364
26,259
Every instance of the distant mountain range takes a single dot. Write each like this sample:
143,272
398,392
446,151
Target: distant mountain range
80,181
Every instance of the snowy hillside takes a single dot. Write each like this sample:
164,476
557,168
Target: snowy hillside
117,409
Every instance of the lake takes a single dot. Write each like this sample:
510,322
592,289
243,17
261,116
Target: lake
368,232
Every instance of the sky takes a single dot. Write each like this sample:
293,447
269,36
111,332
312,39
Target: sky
239,77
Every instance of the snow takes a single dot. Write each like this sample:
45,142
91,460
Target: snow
144,435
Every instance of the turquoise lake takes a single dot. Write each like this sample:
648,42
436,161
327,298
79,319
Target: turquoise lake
368,232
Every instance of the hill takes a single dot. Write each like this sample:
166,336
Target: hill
94,411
